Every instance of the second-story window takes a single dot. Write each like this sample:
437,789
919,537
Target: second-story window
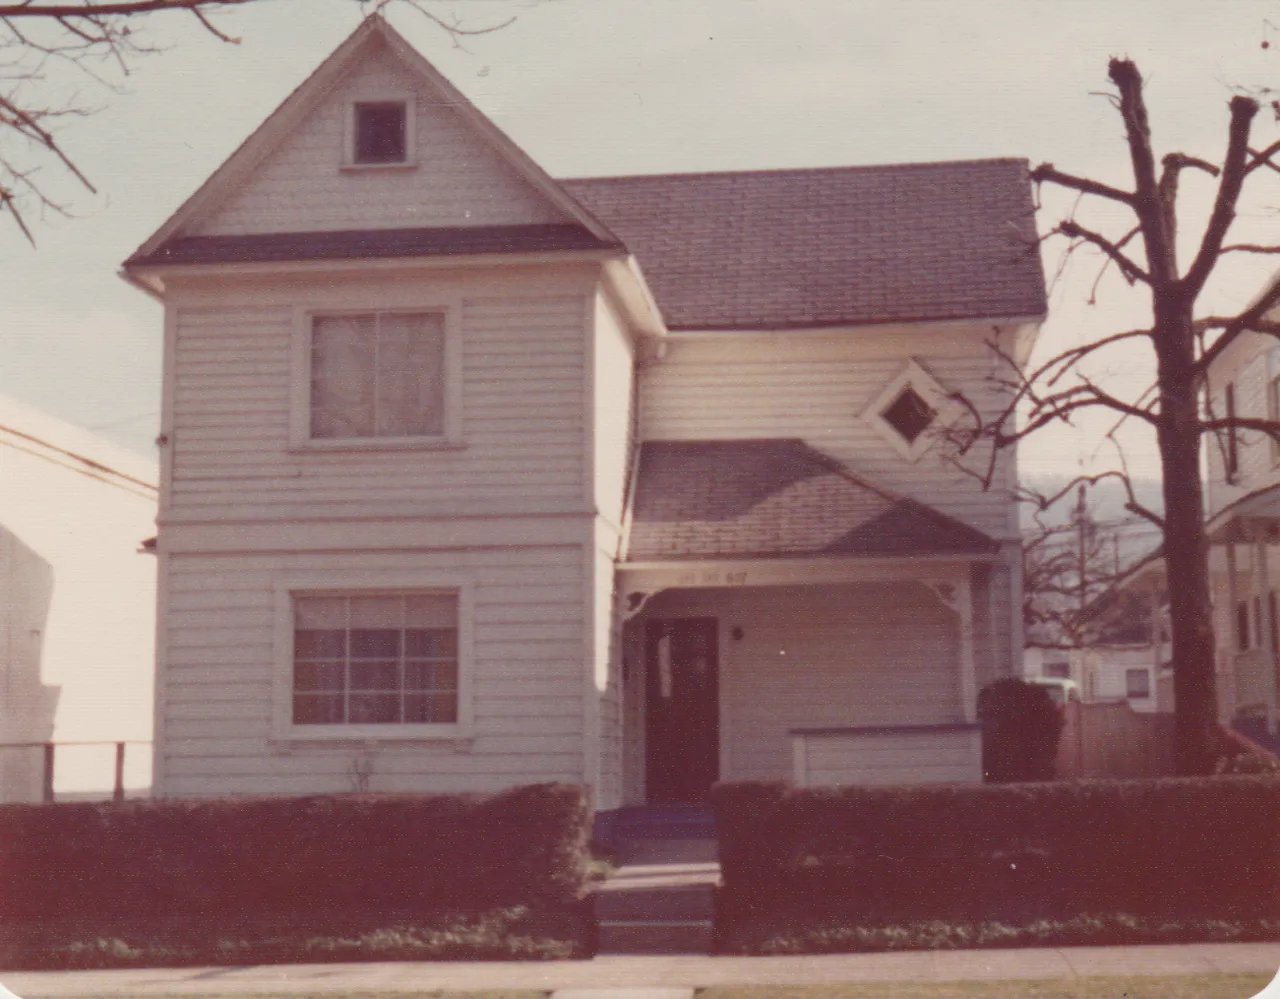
377,375
1231,459
1273,414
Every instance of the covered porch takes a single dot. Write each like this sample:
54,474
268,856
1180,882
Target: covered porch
785,620
1246,615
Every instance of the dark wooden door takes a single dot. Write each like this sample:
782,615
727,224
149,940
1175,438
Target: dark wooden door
682,715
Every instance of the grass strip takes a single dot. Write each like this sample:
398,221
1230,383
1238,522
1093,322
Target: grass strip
516,933
1221,986
795,934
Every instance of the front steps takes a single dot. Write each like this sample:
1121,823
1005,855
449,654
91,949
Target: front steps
661,900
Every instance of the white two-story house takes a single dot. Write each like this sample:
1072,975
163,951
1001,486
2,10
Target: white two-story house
474,478
1243,505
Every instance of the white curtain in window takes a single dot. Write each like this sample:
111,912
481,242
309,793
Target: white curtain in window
377,376
320,613
431,611
410,393
342,387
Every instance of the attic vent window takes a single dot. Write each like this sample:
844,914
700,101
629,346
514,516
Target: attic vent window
909,414
381,132
911,403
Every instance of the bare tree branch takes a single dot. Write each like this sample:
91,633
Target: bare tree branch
1046,172
1243,110
1128,267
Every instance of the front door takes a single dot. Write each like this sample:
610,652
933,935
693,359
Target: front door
682,715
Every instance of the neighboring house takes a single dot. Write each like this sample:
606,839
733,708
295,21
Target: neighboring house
474,478
1243,505
77,608
1116,657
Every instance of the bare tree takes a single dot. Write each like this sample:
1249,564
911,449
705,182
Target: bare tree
1143,249
1068,565
51,53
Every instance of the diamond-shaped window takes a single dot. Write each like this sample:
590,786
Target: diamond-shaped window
909,414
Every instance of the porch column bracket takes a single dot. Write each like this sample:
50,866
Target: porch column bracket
634,603
948,592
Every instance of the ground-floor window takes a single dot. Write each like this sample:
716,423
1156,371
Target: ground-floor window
375,659
1137,683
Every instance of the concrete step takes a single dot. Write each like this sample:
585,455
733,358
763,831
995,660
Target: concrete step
643,936
678,902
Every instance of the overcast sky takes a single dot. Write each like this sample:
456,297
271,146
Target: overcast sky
594,87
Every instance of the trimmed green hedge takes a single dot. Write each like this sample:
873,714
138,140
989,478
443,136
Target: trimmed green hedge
271,860
1185,849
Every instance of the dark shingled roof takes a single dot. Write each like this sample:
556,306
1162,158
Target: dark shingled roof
776,497
351,243
848,245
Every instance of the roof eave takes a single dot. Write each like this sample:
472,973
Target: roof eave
151,277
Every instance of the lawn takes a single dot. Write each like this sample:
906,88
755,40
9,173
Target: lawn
515,933
1234,986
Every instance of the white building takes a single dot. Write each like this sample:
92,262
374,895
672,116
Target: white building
77,609
474,477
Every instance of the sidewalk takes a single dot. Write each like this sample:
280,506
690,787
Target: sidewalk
629,972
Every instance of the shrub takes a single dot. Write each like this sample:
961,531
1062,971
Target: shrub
1185,848
1020,730
276,856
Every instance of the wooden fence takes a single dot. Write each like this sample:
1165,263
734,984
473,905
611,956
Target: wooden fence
1110,739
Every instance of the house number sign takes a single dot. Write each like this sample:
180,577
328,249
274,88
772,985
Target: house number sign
711,577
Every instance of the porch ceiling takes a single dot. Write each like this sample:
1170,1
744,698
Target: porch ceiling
776,497
1253,517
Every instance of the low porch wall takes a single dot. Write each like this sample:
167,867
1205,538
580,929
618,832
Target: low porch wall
887,754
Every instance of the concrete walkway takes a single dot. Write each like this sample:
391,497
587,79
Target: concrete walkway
681,971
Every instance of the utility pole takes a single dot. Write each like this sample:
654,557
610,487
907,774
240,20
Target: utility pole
1082,513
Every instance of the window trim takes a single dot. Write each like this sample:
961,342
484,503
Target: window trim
1231,452
300,438
1145,673
348,583
945,409
349,131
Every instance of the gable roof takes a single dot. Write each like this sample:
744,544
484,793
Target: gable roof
776,497
850,245
372,32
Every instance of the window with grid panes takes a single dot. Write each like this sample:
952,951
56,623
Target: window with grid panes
377,375
375,659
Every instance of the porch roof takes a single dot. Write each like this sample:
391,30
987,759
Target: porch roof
776,497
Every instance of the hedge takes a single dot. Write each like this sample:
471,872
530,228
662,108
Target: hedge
276,856
1181,848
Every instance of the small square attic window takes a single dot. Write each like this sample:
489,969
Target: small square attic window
909,414
381,132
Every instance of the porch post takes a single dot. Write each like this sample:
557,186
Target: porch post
1156,644
1267,624
968,678
1233,602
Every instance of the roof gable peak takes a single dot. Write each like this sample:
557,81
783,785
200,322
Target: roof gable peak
374,34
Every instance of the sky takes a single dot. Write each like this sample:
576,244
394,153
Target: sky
600,87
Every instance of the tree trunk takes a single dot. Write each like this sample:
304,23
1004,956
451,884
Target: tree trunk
1186,548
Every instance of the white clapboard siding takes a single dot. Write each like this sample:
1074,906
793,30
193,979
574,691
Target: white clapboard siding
607,674
818,656
888,758
458,180
218,682
992,625
817,389
613,411
522,420
1247,366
